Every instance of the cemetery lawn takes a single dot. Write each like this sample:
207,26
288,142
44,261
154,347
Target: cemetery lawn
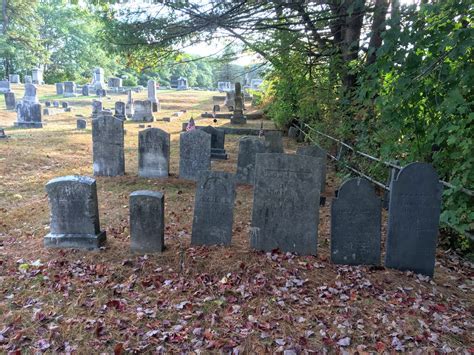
187,298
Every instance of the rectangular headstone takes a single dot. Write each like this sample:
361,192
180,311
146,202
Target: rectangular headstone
74,214
153,153
85,90
194,154
356,215
120,110
96,108
214,209
151,88
108,145
81,124
69,89
142,111
413,219
248,148
28,115
217,143
59,88
147,221
274,142
14,78
5,86
10,101
285,212
316,152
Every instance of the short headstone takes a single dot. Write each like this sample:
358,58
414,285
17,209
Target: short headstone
230,100
317,152
85,90
293,132
69,89
10,101
5,86
64,104
55,103
151,86
74,214
115,82
413,219
47,103
285,212
14,78
30,96
248,148
28,79
120,110
217,143
153,153
216,108
213,209
28,115
108,146
356,224
274,142
37,76
2,133
81,124
142,111
96,108
147,221
59,88
194,154
182,84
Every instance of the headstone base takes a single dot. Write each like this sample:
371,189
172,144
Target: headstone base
28,124
218,154
75,241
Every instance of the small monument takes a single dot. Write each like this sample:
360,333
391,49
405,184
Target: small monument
151,86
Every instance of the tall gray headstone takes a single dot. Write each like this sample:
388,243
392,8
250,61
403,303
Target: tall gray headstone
69,89
10,101
37,76
59,88
217,142
285,212
274,142
147,221
317,152
214,209
155,104
108,146
153,153
129,106
356,224
120,110
142,111
98,80
238,115
413,219
248,148
194,154
74,214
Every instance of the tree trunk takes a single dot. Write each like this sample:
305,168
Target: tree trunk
378,27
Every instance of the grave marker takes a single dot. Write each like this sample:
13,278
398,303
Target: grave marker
217,143
69,89
153,153
120,110
194,154
248,148
142,111
317,152
155,104
81,124
10,101
59,88
274,142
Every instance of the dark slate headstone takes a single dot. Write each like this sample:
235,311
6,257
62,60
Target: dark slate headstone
316,152
414,209
120,110
194,154
47,103
153,153
217,142
356,224
108,146
2,133
74,214
274,142
293,132
64,104
85,90
216,108
285,212
214,209
248,148
59,88
69,89
147,221
10,101
81,124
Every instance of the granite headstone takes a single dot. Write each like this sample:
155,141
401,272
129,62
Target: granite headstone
153,153
194,154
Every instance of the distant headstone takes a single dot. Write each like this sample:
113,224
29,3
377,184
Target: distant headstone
229,100
2,133
182,83
293,132
96,108
30,95
81,124
37,76
55,103
5,86
120,110
356,224
216,108
47,103
248,148
317,152
108,146
64,104
10,101
14,78
414,210
115,82
155,104
98,80
74,214
28,115
153,153
285,212
142,111
69,89
59,88
274,142
194,154
217,143
147,221
129,106
85,90
28,79
213,209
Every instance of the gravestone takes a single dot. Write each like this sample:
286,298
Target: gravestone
47,103
10,101
182,83
155,104
129,106
356,224
69,89
194,154
28,79
213,209
115,82
55,103
3,134
74,214
413,219
120,110
30,96
14,78
98,80
317,152
217,143
59,88
65,104
285,212
28,115
153,153
85,90
216,108
293,132
108,145
274,142
147,221
142,111
37,76
238,115
248,148
5,86
81,124
96,108
229,100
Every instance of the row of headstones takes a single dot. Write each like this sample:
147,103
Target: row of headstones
285,214
36,77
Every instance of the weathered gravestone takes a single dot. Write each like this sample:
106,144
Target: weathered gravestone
248,148
10,101
230,100
69,89
37,76
147,221
129,106
293,132
155,104
5,86
14,78
274,142
85,90
28,115
65,104
194,154
28,79
120,110
108,145
414,209
317,152
115,82
59,88
81,124
238,115
213,209
285,212
217,143
142,111
356,224
47,103
55,103
30,96
153,153
2,133
74,214
96,108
